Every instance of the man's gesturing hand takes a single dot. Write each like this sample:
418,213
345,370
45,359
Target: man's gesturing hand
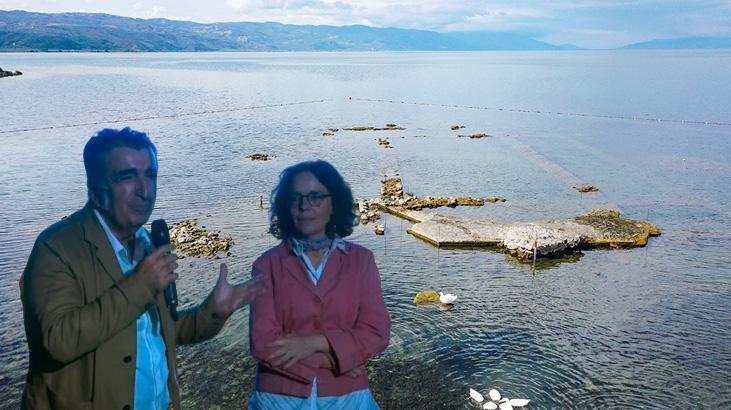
227,297
156,268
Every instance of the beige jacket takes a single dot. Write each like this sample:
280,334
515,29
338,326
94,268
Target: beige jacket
80,321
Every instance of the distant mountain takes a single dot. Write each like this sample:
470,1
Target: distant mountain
503,41
25,31
684,42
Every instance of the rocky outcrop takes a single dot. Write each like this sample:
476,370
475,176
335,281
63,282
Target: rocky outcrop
4,73
193,240
473,136
586,188
389,127
426,297
392,190
369,210
260,157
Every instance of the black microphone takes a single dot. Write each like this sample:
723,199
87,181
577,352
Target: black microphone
160,237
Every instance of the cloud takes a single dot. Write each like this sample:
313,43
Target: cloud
501,19
589,23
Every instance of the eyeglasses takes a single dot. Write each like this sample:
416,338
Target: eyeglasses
313,198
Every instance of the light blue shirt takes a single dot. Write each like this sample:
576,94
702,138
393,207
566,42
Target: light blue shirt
357,400
151,374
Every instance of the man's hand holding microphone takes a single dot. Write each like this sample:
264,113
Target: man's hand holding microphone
158,271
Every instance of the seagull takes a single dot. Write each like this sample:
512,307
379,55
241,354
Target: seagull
447,298
497,401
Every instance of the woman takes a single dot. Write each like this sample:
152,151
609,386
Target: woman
322,316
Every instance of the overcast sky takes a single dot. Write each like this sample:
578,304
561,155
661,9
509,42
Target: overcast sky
591,24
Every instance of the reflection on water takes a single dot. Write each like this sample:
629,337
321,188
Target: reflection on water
599,329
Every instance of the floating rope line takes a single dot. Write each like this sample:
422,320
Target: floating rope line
573,114
155,117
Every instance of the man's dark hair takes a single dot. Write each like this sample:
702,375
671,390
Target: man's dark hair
343,218
104,141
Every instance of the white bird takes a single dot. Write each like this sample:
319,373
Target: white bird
505,406
447,297
519,402
494,395
476,396
489,406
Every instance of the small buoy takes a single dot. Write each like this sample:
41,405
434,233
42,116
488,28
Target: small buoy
476,396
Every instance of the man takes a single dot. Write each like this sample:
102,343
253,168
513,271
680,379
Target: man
99,333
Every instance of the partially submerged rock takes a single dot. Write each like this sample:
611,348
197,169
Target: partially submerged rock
615,231
330,132
368,209
260,157
392,190
586,188
473,136
520,240
426,297
193,240
389,127
456,127
4,73
379,229
385,142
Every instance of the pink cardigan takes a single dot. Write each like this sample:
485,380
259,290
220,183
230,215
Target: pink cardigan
346,306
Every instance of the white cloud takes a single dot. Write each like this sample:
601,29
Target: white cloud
501,19
590,23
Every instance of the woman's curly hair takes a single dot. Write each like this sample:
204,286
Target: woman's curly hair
343,218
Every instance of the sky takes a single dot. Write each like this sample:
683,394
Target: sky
589,24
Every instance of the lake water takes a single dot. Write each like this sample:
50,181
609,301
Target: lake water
640,328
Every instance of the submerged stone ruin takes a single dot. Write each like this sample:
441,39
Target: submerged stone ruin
392,198
599,228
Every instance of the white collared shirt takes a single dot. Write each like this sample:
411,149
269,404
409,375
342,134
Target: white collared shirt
151,371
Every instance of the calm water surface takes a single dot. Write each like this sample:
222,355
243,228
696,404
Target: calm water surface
640,328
